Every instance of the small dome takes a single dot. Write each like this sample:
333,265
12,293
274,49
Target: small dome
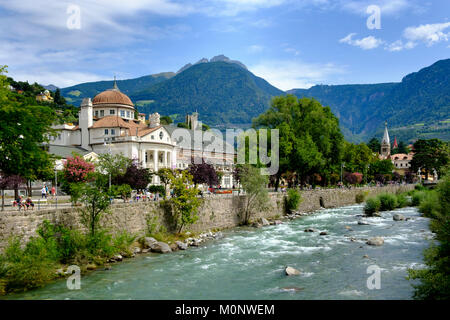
112,96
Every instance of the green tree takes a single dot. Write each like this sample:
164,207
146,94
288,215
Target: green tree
310,140
165,120
96,204
59,99
429,155
23,130
115,165
165,176
185,199
254,185
381,167
374,145
358,157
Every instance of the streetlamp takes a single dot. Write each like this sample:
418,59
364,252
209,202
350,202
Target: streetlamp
420,175
56,188
110,153
367,170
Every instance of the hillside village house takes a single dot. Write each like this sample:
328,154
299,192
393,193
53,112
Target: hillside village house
107,124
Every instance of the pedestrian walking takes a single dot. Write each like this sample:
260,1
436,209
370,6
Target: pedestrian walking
44,192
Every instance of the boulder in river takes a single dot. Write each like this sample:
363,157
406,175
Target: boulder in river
181,245
323,233
149,241
291,271
278,222
265,222
310,230
375,241
161,247
363,223
398,217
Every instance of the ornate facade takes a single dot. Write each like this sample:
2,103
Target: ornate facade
107,124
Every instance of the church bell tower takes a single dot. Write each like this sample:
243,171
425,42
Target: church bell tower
385,143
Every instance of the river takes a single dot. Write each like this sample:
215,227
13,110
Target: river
249,263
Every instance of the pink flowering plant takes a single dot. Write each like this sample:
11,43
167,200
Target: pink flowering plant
77,169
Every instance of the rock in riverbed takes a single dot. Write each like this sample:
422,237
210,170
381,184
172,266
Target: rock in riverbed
161,247
181,245
291,271
265,222
323,233
398,217
149,241
375,241
363,223
310,230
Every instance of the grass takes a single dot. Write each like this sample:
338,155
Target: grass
24,267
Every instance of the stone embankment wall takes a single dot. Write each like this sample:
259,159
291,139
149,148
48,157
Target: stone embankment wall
217,212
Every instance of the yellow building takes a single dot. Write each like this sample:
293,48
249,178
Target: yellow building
44,96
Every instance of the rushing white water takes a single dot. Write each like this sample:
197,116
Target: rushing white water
249,263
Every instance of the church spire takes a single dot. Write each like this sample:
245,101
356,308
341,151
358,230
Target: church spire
385,143
386,139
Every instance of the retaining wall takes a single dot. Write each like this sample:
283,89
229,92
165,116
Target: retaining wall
217,212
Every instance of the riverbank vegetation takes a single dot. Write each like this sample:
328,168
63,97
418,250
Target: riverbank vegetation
435,278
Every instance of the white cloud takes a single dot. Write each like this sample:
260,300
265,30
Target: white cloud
366,43
289,74
399,45
255,48
428,33
293,51
60,79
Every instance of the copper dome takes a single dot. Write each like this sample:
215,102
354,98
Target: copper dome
112,96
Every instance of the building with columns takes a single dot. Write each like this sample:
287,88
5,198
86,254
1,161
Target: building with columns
107,124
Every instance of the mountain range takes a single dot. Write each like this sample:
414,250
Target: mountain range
226,94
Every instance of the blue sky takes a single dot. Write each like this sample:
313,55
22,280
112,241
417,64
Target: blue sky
290,43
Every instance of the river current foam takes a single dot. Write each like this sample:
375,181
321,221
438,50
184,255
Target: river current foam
249,263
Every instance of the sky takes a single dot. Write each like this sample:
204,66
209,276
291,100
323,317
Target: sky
290,43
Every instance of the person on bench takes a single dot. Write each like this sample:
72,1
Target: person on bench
19,202
29,203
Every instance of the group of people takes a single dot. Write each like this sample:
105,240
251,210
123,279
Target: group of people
20,203
146,196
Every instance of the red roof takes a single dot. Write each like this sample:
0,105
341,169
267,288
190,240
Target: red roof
395,143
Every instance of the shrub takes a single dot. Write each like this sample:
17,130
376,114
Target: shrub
123,241
157,189
27,268
417,198
372,206
292,200
359,198
429,205
387,201
420,187
123,191
402,201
